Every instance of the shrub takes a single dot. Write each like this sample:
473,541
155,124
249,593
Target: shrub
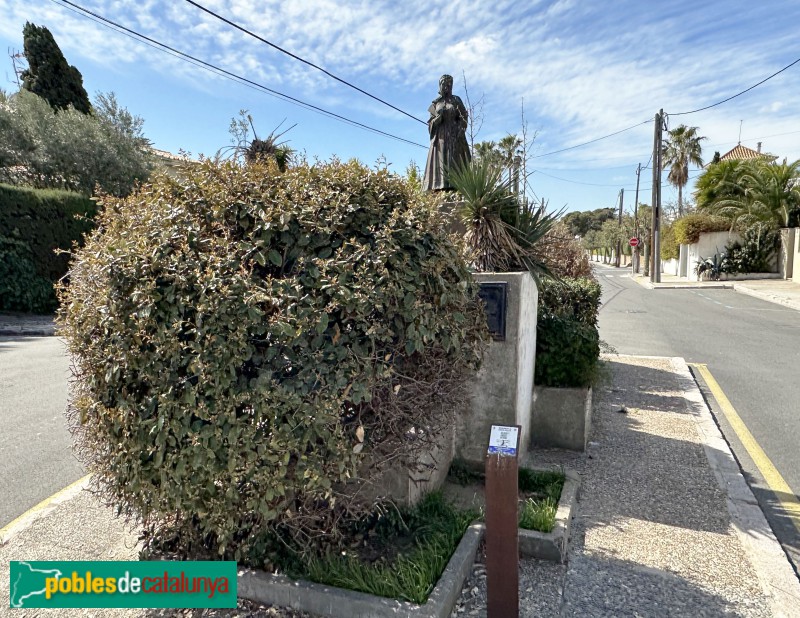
72,150
670,248
45,221
688,229
247,342
21,287
755,253
567,341
567,352
577,299
562,254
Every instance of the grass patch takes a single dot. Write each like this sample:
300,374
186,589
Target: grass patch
539,492
542,483
538,515
402,555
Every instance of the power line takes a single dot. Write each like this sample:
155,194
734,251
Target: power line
303,60
222,72
738,93
591,141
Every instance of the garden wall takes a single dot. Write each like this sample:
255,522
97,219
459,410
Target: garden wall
708,244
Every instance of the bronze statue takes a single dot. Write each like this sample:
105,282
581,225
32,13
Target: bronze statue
447,127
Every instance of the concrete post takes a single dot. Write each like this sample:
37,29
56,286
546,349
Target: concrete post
502,392
786,257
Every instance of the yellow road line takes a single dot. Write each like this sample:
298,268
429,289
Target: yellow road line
39,507
775,481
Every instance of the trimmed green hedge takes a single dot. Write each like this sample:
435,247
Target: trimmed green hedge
21,287
688,229
567,341
572,298
33,224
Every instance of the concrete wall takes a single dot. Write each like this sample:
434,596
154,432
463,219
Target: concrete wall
786,253
670,267
501,393
796,260
707,245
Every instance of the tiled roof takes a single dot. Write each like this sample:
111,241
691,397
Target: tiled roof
741,153
164,154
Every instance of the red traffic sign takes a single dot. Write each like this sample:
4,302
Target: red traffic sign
634,242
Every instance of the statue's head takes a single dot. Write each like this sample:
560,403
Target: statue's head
446,85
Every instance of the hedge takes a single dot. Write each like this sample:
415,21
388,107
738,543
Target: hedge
248,342
688,229
567,341
43,220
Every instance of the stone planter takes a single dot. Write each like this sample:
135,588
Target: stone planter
562,417
796,256
323,600
553,545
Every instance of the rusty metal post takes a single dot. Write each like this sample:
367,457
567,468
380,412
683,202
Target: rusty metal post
502,544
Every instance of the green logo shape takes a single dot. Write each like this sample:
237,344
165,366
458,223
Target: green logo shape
159,584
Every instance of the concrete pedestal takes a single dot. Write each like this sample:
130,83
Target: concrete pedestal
501,393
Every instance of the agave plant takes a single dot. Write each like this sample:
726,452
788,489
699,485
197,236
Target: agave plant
255,149
711,267
502,233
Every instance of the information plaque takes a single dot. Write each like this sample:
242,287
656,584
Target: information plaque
503,440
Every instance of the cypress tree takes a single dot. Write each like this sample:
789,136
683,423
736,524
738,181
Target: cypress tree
48,74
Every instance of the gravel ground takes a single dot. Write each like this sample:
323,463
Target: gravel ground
653,536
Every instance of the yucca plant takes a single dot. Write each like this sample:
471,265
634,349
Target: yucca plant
502,233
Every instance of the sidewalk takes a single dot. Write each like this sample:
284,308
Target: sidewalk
665,525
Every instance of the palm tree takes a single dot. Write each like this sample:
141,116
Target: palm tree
509,148
720,181
681,150
771,194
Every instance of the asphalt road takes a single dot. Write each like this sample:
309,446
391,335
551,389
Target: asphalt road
35,447
751,347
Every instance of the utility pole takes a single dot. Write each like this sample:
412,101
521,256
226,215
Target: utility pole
619,235
655,267
636,221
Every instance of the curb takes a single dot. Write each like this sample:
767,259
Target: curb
36,332
775,573
335,602
641,280
47,505
772,298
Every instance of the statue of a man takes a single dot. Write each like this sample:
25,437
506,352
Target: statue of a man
447,127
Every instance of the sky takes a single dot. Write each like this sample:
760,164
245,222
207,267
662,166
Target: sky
574,70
